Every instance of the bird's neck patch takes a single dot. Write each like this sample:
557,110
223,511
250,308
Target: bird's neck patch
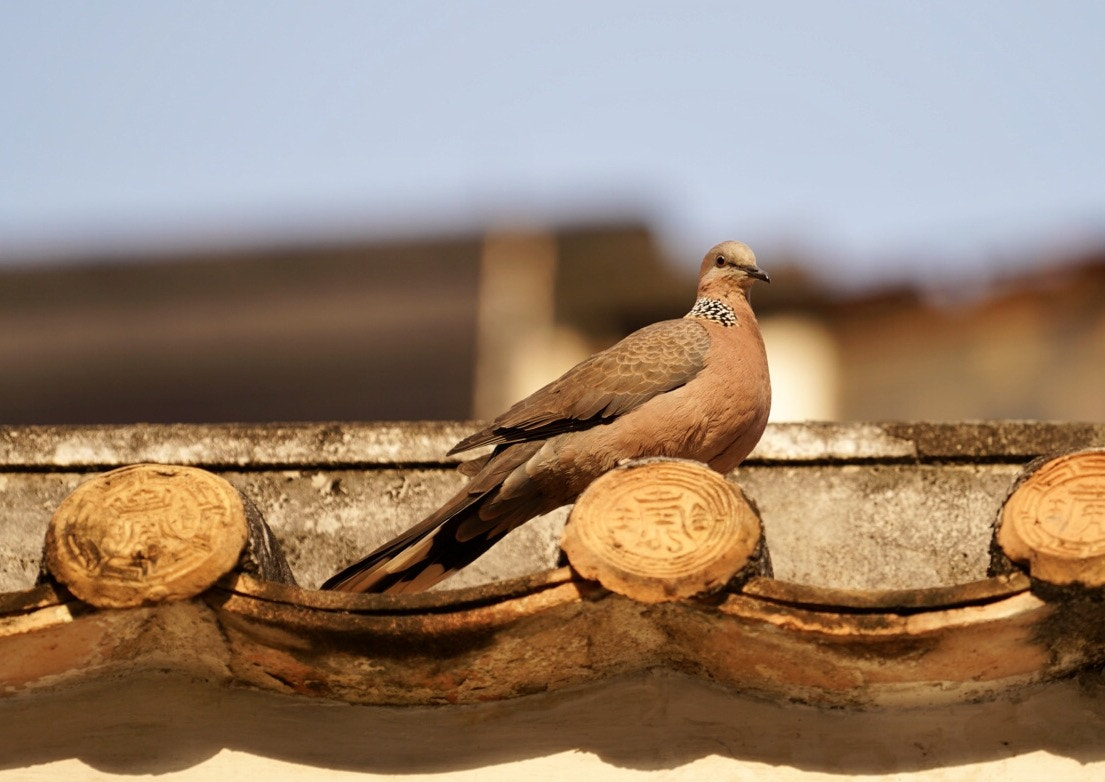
713,309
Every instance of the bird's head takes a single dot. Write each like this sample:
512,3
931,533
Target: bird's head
728,265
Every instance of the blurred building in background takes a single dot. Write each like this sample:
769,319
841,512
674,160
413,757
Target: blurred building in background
458,327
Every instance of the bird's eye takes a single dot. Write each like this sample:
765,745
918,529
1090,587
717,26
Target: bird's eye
719,261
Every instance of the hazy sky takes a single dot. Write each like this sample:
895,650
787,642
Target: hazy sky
954,134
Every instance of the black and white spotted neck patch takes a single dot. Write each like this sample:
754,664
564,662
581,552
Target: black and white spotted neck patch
715,310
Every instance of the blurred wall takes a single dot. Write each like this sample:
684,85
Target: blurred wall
330,332
1032,348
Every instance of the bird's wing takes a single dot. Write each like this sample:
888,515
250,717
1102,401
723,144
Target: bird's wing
651,361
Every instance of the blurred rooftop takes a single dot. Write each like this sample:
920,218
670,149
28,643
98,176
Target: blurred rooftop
453,327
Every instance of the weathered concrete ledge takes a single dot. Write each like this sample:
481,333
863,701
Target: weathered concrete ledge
868,506
397,444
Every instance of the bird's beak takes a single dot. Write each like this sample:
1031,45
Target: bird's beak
758,273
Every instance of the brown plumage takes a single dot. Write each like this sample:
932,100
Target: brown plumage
693,388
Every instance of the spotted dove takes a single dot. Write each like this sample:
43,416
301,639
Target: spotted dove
693,388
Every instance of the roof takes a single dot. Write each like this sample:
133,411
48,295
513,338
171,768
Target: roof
880,537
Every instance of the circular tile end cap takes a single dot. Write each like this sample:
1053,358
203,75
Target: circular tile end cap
146,533
1053,522
660,530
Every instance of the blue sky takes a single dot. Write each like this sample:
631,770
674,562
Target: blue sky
881,138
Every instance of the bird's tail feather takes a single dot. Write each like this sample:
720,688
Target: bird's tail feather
452,537
422,556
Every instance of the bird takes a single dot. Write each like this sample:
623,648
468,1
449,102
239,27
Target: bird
695,387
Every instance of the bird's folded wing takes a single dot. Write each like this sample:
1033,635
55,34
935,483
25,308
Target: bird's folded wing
651,361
